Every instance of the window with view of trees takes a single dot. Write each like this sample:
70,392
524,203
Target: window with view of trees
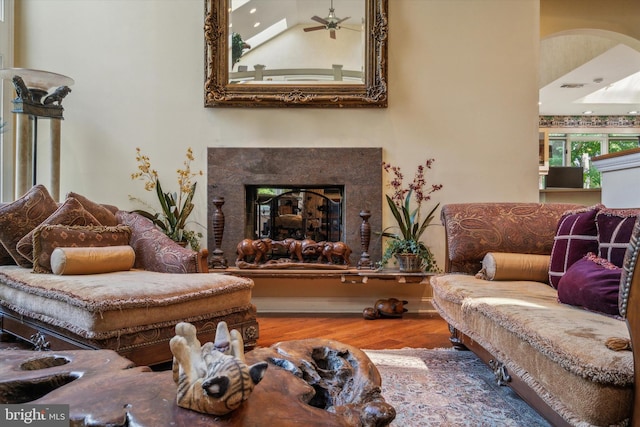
579,149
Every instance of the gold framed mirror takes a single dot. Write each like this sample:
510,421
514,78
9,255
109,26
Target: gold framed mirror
253,56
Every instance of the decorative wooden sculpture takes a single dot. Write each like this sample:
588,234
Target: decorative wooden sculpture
213,378
365,240
217,259
329,250
258,249
391,307
305,253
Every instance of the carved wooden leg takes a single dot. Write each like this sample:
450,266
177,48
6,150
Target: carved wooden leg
455,339
500,372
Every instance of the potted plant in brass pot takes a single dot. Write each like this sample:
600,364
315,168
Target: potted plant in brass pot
404,239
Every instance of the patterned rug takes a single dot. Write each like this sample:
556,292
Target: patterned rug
445,387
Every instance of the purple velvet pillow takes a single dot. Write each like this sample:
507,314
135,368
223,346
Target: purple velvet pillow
592,283
576,235
614,232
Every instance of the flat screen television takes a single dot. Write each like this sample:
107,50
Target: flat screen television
565,177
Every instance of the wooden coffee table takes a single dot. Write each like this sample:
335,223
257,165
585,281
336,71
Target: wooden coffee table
304,379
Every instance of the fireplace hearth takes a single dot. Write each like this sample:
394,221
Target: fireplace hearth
235,173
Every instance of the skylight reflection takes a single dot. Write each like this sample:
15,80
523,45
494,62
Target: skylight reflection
236,4
268,33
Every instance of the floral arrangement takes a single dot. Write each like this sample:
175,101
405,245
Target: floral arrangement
176,207
410,225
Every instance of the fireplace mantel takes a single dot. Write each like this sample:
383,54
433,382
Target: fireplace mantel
359,170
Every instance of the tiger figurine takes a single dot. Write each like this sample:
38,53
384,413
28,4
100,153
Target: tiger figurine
213,378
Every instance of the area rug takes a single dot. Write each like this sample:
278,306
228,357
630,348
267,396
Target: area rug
446,387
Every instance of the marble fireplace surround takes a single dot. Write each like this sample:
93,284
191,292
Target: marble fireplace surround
359,170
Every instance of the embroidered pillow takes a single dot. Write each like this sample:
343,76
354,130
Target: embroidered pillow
23,215
46,238
592,283
100,212
576,235
70,212
5,258
155,251
614,232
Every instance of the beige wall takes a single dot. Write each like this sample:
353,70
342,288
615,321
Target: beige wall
462,83
619,16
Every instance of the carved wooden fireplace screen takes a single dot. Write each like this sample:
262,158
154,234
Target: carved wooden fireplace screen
342,182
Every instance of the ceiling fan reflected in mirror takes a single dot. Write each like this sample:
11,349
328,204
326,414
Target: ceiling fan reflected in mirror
331,22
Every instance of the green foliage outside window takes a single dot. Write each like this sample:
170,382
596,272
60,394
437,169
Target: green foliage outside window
616,145
582,152
582,148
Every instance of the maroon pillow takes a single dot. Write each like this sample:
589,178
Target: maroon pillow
614,232
592,283
576,235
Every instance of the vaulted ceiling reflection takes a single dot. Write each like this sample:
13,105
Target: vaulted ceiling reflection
297,40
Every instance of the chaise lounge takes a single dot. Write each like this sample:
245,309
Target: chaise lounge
555,354
130,310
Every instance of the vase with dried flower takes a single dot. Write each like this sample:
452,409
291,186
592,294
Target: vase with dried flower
175,206
404,242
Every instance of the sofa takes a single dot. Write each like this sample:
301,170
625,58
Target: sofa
83,275
546,295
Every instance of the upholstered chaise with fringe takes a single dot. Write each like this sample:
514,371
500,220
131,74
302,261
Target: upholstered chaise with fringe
130,310
555,355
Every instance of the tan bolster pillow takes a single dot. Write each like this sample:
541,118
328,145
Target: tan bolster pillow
510,266
92,260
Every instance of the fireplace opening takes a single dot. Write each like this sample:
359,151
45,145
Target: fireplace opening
309,212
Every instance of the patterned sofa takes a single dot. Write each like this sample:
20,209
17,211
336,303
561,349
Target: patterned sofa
559,356
130,310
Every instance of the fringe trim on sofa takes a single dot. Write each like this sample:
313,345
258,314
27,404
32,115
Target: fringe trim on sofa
516,370
117,304
590,372
124,331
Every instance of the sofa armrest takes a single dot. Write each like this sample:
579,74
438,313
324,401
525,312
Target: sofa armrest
203,260
629,305
155,251
473,229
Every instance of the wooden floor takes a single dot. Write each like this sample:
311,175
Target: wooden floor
416,331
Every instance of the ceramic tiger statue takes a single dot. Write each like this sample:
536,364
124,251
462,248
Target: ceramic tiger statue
213,378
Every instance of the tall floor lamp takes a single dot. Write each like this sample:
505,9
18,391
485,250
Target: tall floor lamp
39,94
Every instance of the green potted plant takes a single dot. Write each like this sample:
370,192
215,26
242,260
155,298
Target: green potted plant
175,207
238,46
410,252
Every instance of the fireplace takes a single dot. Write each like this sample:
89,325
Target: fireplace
341,180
